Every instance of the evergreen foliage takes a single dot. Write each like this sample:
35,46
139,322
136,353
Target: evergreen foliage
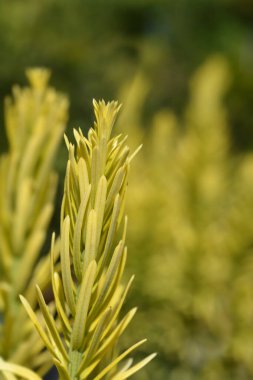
78,330
87,288
194,263
35,119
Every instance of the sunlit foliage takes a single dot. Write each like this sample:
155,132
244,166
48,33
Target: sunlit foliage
87,289
35,119
192,201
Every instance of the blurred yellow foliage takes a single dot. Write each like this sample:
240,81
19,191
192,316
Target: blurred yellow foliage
191,200
35,118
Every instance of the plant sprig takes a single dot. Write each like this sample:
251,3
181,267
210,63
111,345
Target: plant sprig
35,118
82,337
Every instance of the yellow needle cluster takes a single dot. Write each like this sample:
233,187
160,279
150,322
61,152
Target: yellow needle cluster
35,119
82,332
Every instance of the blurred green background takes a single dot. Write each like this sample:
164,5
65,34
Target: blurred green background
184,71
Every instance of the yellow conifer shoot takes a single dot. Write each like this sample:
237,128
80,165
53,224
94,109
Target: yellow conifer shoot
35,118
82,337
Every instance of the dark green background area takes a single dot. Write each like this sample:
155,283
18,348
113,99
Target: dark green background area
94,47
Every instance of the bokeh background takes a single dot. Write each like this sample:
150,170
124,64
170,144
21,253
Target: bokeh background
184,72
